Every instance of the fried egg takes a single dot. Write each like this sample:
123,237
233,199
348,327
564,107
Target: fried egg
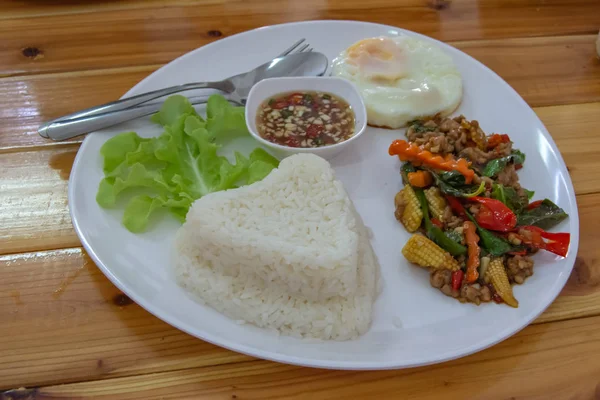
400,79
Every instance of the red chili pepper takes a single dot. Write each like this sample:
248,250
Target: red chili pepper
472,240
456,205
494,215
292,143
557,243
497,139
296,98
437,222
534,204
313,131
279,104
457,278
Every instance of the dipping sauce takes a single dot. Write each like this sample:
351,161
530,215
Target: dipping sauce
305,119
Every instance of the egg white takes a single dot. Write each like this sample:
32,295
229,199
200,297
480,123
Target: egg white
429,84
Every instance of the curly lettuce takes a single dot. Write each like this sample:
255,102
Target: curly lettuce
171,171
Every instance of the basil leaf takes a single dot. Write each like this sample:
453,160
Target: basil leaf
405,169
546,215
518,157
498,193
418,127
509,197
494,167
453,178
453,184
530,194
493,244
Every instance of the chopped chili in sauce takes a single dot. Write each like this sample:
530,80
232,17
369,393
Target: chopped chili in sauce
305,119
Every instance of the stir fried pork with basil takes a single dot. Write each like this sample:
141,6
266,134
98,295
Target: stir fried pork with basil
475,227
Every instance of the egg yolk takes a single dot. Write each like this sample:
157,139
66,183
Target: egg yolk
379,59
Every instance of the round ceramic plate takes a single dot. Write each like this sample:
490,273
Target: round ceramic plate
413,324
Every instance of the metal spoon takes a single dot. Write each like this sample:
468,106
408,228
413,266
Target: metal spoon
236,89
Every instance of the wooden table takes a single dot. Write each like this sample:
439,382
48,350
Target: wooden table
67,332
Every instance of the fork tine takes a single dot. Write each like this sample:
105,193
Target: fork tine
301,49
292,48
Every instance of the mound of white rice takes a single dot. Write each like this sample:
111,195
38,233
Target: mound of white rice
288,253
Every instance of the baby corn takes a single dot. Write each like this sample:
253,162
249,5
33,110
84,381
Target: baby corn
408,209
437,203
425,253
497,275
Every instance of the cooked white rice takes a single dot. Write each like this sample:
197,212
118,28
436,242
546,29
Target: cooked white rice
287,253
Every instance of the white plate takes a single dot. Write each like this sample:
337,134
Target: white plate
413,324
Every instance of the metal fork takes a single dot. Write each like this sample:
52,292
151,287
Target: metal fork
294,49
133,107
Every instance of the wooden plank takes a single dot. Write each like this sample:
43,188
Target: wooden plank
532,67
26,102
74,325
63,321
33,45
557,360
570,127
10,9
35,215
33,194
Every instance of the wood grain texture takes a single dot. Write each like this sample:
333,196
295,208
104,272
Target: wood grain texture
570,127
559,358
26,102
74,325
33,195
443,19
533,67
157,35
10,9
63,321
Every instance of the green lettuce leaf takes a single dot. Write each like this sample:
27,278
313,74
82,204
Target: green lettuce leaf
172,109
172,170
224,121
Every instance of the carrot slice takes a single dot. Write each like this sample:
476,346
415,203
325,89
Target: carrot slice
420,179
419,156
472,239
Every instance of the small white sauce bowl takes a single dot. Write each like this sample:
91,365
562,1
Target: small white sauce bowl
273,87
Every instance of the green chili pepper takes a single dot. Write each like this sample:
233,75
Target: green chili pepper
435,233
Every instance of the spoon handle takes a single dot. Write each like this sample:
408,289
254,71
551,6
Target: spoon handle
63,129
68,125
